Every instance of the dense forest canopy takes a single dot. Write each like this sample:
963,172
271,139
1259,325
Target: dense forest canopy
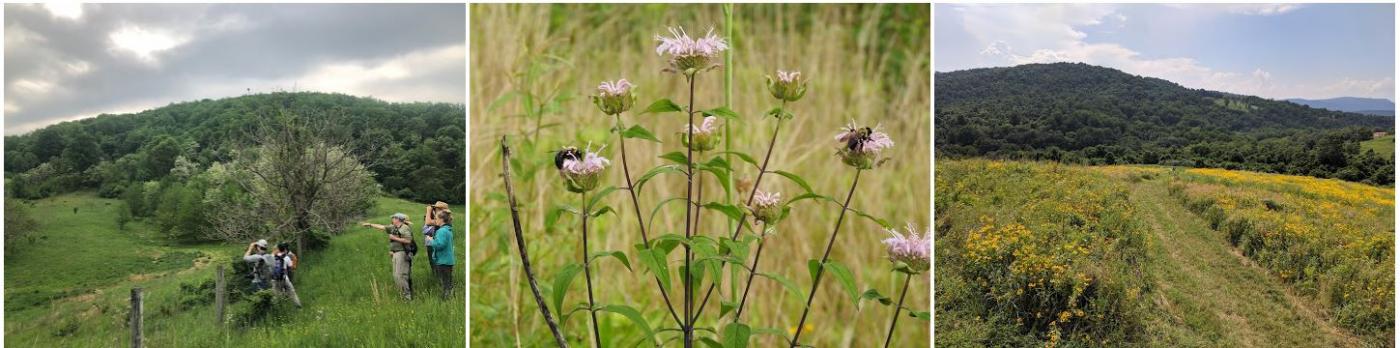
1082,113
419,146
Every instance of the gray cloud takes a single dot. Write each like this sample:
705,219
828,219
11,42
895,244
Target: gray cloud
59,68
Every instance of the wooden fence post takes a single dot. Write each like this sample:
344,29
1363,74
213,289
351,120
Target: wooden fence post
136,317
219,293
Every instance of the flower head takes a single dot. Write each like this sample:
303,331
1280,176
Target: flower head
789,85
580,170
912,249
614,97
706,137
690,54
767,207
862,145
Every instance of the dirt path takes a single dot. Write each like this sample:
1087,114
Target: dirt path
1211,296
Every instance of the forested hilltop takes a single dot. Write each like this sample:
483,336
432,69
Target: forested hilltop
418,148
1081,113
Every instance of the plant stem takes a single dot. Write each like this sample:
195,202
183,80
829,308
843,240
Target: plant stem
587,274
524,254
897,307
821,267
636,207
728,96
753,270
763,169
689,183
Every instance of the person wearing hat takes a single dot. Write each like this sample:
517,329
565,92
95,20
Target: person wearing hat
430,224
440,253
401,247
260,262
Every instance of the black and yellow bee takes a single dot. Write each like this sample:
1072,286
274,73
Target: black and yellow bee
568,153
862,135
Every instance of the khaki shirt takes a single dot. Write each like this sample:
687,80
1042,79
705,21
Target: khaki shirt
402,232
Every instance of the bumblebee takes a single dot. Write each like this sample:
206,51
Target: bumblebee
862,136
568,153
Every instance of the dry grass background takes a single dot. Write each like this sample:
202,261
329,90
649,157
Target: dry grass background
869,63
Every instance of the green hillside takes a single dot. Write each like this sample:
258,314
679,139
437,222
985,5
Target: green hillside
1074,112
1383,146
70,287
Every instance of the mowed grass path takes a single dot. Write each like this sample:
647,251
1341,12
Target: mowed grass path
1209,295
88,266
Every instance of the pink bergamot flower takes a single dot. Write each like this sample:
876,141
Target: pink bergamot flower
614,97
689,55
911,249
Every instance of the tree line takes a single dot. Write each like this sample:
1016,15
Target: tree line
1080,113
268,164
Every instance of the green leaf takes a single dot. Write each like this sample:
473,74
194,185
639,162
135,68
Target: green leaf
719,162
812,267
551,218
710,342
633,315
675,156
873,294
742,156
721,112
604,210
721,175
725,307
672,168
562,280
795,179
921,315
787,284
730,210
639,132
736,335
615,254
661,106
594,198
847,279
655,262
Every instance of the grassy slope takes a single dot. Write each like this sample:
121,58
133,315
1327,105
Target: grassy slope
1384,146
1210,295
610,42
85,255
1206,293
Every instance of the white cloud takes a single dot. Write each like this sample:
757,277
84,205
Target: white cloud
1242,9
65,10
395,79
144,43
1025,34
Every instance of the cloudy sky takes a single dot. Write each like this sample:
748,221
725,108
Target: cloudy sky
1272,51
65,62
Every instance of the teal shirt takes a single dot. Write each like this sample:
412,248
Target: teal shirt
442,247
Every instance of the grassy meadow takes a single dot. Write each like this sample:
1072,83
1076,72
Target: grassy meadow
1383,146
533,67
1063,255
71,287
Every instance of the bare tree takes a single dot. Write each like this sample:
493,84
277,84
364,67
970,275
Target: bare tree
301,175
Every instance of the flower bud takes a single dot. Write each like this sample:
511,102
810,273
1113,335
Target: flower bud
614,97
767,207
789,86
580,170
706,136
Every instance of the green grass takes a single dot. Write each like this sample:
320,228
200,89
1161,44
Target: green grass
71,287
1383,146
1197,284
868,63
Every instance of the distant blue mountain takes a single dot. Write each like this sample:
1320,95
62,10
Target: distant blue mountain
1371,106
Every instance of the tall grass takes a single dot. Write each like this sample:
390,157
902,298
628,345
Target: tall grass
531,67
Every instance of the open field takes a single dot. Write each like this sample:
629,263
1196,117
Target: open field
1175,257
532,70
71,287
1383,146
